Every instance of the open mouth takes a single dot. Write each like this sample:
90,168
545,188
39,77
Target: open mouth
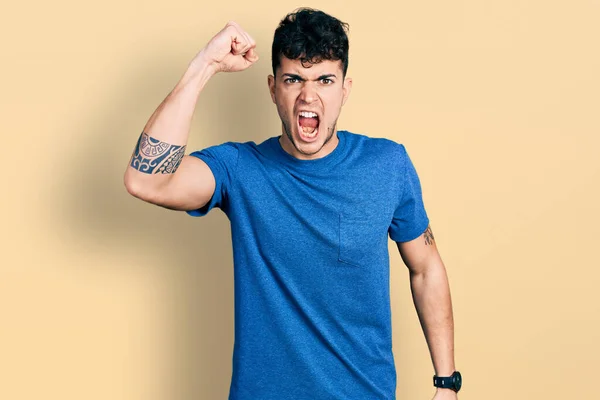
308,125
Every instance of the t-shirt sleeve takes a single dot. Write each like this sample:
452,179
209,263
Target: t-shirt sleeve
410,218
222,161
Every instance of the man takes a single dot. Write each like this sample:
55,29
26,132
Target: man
310,213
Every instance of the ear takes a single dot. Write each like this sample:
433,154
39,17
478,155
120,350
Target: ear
346,89
271,83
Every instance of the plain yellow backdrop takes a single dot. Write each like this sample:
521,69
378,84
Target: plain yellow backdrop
105,297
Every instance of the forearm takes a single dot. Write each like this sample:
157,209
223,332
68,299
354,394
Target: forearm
431,296
154,160
172,119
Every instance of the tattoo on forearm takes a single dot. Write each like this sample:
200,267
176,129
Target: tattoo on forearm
152,156
428,234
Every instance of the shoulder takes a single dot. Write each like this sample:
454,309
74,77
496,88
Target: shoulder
222,156
230,149
372,141
237,153
380,147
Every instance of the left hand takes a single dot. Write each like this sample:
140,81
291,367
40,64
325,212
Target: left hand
445,394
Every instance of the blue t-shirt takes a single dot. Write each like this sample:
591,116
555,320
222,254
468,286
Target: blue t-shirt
311,264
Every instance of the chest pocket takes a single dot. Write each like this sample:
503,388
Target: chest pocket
362,240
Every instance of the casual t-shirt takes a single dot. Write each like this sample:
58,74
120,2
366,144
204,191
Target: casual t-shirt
311,264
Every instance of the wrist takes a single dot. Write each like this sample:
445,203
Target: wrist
199,71
451,382
445,371
202,61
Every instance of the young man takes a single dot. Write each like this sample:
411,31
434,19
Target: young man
310,213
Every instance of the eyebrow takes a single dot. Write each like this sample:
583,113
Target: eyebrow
295,76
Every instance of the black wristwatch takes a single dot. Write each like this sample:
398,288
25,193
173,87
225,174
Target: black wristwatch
453,381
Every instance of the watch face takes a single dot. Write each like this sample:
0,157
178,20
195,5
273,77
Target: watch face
457,380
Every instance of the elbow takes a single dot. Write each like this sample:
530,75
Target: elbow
145,187
133,186
433,271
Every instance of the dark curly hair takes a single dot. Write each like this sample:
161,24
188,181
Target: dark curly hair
311,36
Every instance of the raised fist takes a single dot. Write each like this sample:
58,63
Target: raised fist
230,50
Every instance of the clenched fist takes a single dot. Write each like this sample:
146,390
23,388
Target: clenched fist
230,50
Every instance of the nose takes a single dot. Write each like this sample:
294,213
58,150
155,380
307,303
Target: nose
308,94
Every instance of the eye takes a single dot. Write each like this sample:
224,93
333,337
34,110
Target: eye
288,80
327,81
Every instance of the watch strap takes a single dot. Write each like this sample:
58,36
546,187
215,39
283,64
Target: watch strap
453,381
445,382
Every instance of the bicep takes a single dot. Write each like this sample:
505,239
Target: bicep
189,188
418,253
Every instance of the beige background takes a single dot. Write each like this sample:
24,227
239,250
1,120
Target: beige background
105,297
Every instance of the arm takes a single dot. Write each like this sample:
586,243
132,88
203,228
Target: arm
431,296
158,171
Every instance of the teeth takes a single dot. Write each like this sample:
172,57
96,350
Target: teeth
308,114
